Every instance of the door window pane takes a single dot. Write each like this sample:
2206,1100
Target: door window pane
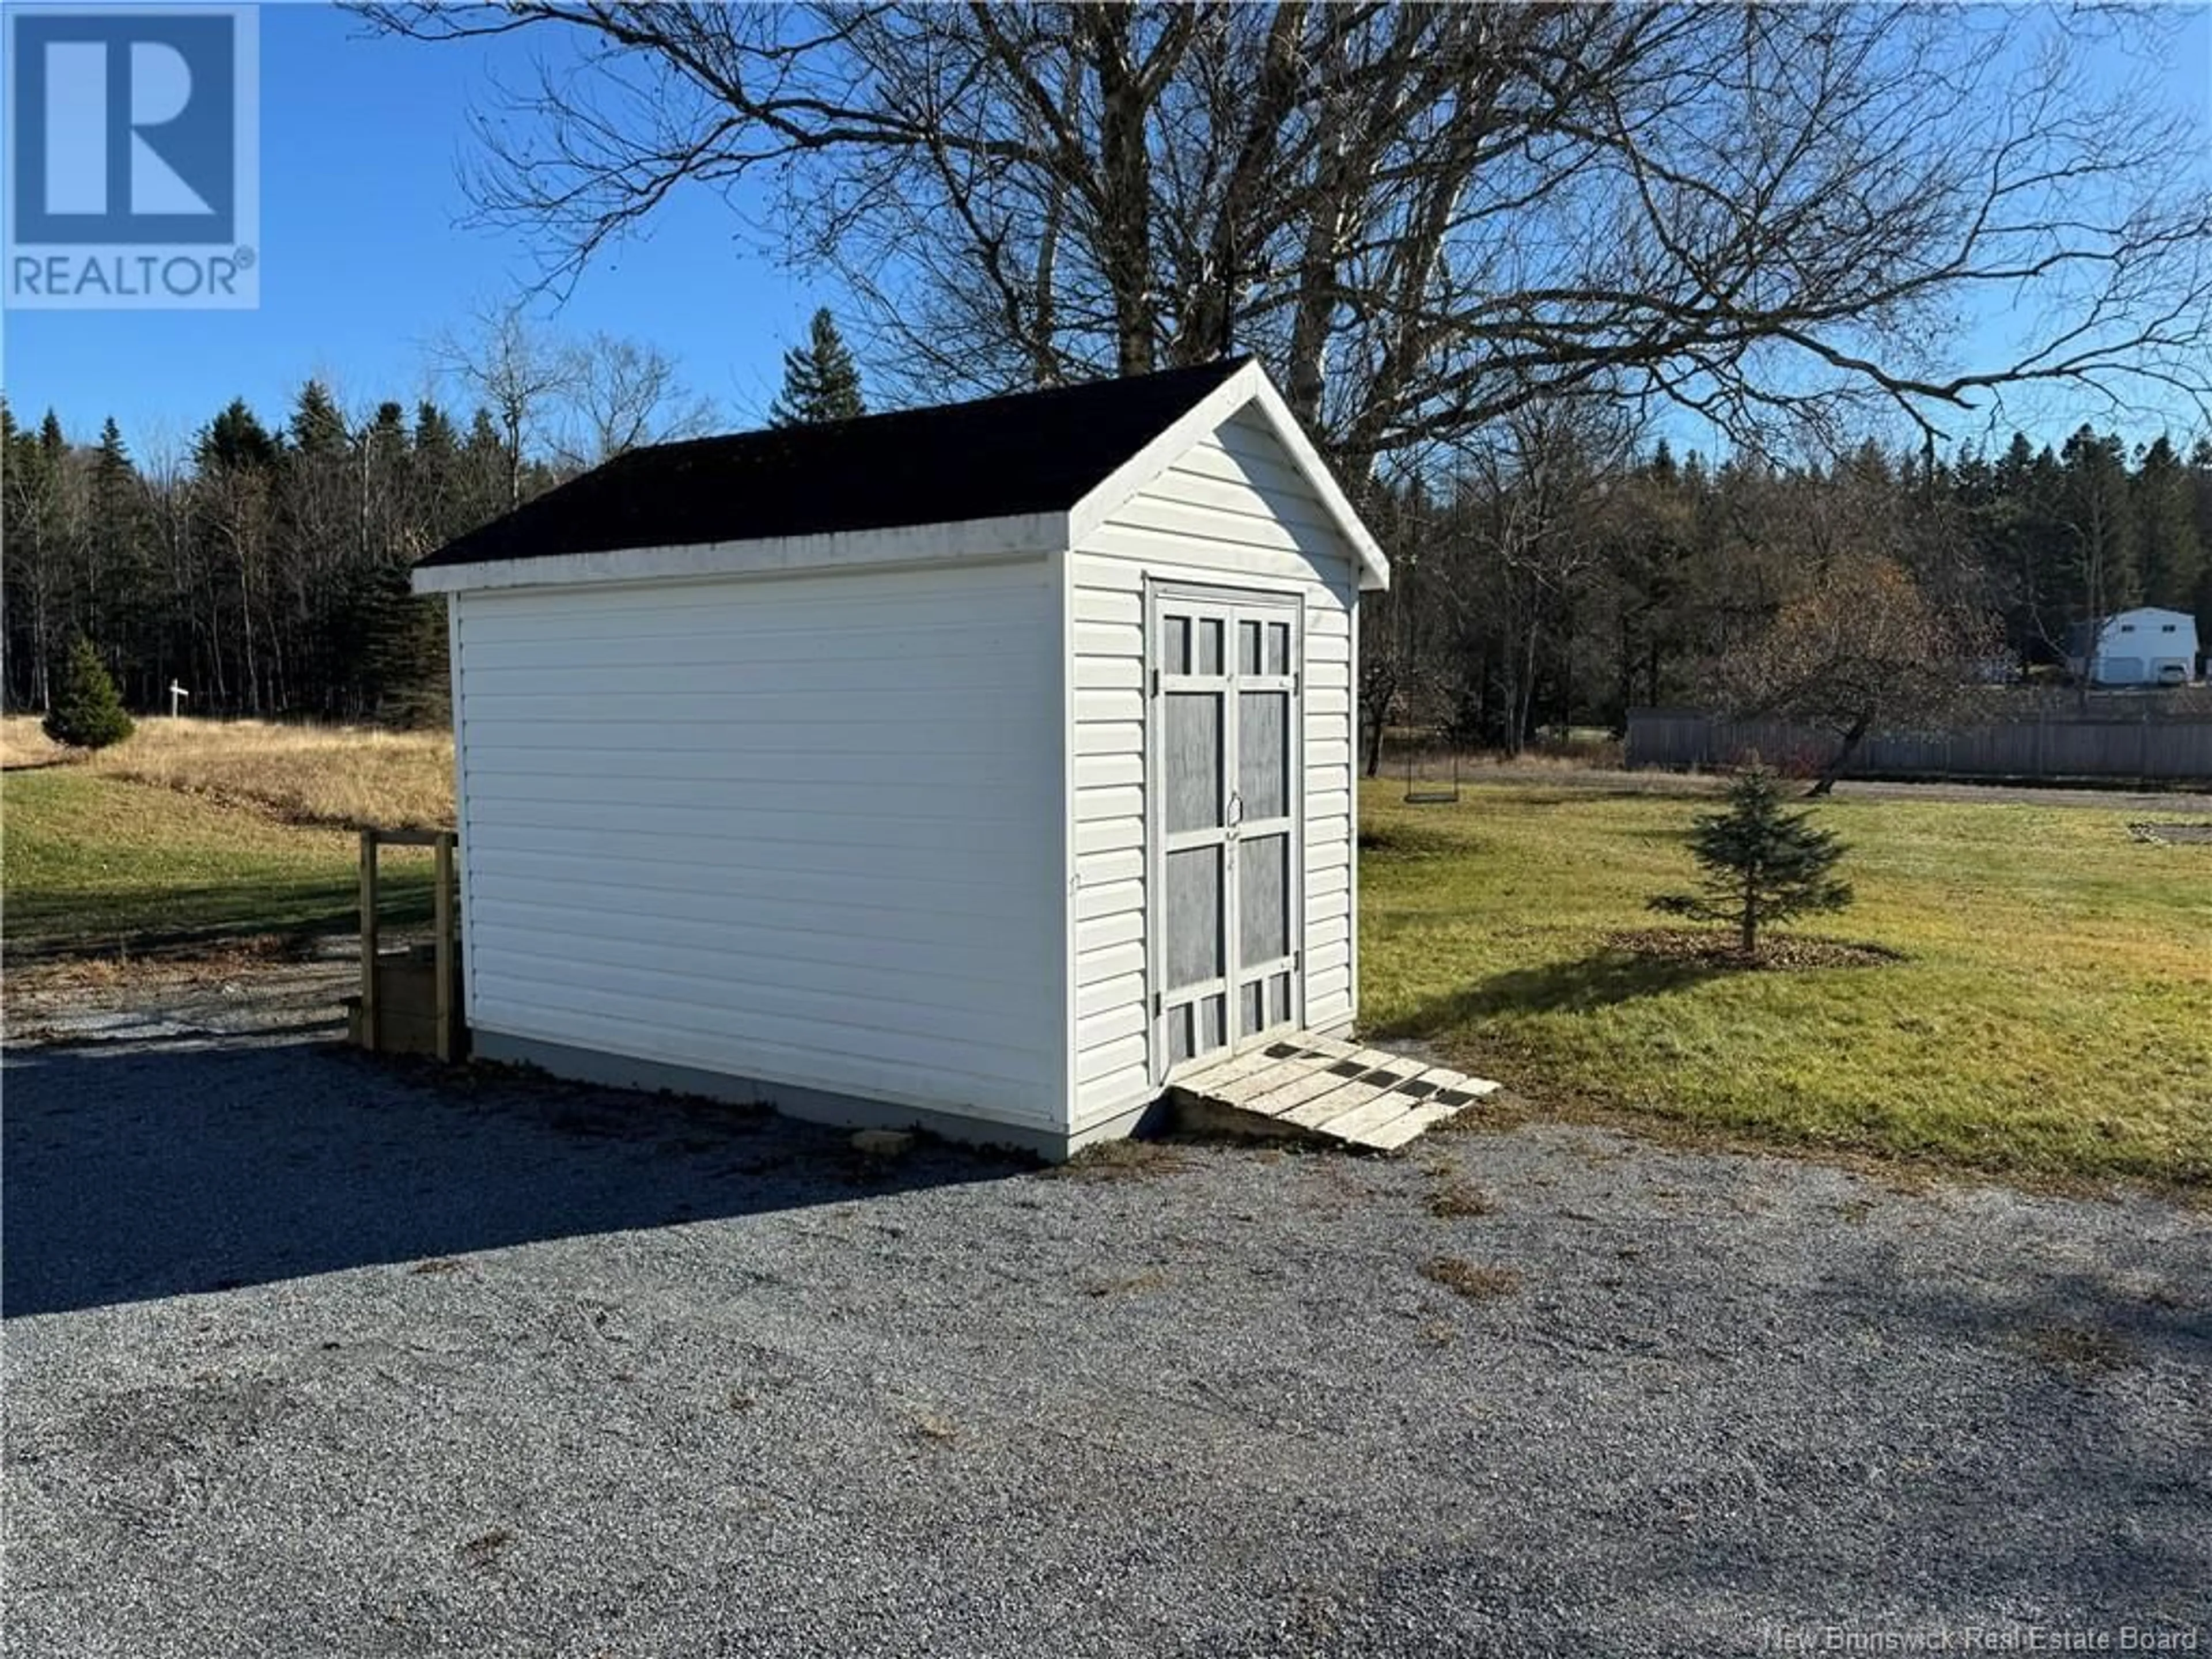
1279,647
1190,766
1213,1022
1279,999
1263,755
1252,1009
1248,648
1192,921
1196,1028
1263,899
1176,646
1209,645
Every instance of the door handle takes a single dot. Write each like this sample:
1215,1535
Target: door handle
1236,813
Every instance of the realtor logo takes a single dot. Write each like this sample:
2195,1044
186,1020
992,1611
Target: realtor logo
133,164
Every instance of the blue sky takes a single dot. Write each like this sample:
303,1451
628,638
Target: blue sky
365,260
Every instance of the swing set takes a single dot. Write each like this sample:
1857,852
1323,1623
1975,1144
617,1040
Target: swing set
1432,768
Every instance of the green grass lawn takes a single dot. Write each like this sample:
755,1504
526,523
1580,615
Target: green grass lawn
2052,1016
94,866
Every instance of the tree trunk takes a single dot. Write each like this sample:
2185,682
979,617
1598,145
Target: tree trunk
1124,186
1307,368
1210,324
1625,676
513,420
1374,704
1826,782
246,633
1524,692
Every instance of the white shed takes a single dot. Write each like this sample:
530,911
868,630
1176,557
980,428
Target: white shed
2146,646
975,766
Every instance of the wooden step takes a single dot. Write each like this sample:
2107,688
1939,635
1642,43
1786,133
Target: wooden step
1325,1090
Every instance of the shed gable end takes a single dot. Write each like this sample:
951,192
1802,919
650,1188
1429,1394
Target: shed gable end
1233,508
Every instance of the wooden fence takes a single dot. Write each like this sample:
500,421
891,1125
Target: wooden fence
2140,745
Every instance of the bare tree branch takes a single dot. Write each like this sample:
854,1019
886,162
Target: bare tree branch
1422,217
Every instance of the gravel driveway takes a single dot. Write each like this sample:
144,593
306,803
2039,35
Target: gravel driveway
310,1357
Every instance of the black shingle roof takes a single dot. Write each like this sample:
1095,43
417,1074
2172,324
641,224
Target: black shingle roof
1035,452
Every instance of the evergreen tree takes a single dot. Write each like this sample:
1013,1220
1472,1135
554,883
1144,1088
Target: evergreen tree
317,429
484,480
1759,864
2200,477
433,430
406,654
2099,510
318,516
235,438
435,469
821,382
32,564
86,711
119,574
2166,511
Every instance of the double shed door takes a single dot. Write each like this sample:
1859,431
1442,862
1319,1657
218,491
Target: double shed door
1227,784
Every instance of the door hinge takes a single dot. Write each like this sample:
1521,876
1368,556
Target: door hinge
1155,682
1297,683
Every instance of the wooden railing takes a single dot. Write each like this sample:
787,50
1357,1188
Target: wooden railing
444,1016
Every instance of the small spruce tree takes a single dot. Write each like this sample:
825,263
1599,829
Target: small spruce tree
821,382
87,714
1759,864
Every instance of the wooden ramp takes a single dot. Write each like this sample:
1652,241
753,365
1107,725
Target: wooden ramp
1319,1089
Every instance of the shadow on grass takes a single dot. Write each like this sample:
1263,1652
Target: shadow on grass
1414,841
163,1169
45,927
1582,795
1600,979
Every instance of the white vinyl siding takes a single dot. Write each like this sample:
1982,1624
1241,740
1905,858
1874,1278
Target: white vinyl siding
794,830
1232,511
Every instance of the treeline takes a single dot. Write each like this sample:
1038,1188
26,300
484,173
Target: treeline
266,570
1555,575
1561,576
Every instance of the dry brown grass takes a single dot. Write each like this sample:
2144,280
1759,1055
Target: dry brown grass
1121,1160
1454,1198
485,1551
22,743
1777,952
2078,1348
1466,1278
344,775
